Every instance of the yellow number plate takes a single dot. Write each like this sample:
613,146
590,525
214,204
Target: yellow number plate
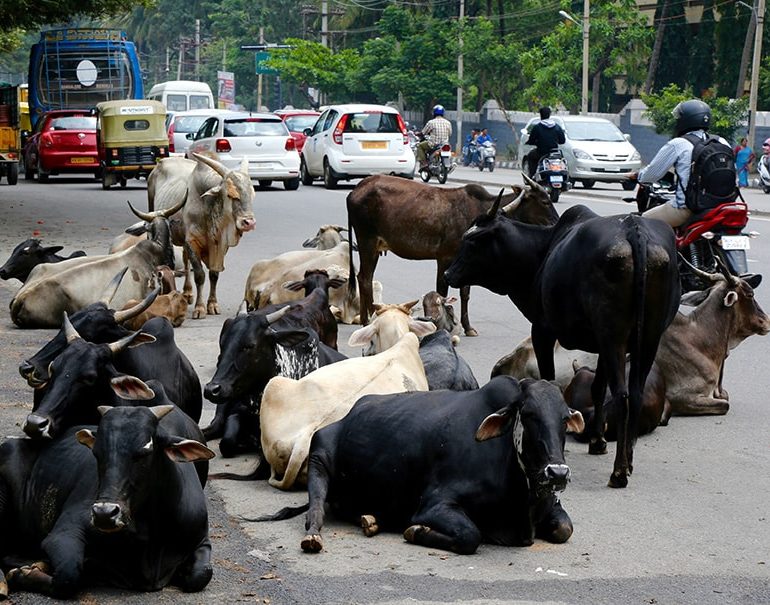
374,144
82,161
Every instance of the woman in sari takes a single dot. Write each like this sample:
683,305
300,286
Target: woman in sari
744,155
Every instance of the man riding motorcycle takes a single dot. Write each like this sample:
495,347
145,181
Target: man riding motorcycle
437,132
546,136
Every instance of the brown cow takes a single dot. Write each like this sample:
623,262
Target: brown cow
421,222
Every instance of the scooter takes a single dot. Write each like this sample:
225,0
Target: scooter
487,152
763,167
552,174
707,239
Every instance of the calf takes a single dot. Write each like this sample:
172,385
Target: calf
29,254
434,466
444,368
389,324
440,311
170,303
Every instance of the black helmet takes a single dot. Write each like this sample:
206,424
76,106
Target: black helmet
691,115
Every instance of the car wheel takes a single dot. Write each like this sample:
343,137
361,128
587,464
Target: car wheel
628,185
291,184
330,181
13,173
766,189
304,174
264,183
588,183
123,182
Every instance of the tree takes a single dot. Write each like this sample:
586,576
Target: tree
27,14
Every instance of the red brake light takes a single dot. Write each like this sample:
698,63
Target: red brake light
337,135
47,140
223,146
446,147
402,127
171,138
290,144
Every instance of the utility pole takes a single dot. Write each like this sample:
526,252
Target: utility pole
197,49
759,7
459,126
586,30
181,56
325,23
168,60
259,76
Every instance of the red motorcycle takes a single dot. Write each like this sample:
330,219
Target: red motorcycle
714,234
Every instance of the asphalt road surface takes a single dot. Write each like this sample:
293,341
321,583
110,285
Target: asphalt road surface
692,527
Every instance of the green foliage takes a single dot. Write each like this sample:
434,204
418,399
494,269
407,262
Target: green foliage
728,116
28,14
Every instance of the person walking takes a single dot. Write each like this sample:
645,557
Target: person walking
744,156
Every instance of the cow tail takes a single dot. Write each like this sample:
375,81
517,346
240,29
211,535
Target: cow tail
352,290
257,473
639,247
287,512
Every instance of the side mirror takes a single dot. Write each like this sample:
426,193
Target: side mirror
627,137
190,136
307,132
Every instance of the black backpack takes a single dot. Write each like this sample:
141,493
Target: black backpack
712,174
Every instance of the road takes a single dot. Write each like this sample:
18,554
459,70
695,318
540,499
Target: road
693,525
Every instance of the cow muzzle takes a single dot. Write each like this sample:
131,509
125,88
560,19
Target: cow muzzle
108,517
554,478
216,393
37,427
246,224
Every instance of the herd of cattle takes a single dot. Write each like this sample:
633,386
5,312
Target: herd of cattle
400,439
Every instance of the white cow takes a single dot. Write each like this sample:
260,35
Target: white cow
388,325
293,410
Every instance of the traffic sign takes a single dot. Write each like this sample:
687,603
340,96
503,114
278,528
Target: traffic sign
260,58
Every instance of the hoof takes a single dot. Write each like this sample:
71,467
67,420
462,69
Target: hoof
597,447
213,308
199,312
312,543
471,332
618,480
413,531
369,525
188,297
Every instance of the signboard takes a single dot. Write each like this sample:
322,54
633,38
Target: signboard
226,88
77,35
260,57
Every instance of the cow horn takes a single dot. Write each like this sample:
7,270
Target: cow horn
117,346
243,309
165,213
407,306
532,183
112,287
161,410
215,165
125,314
496,206
103,409
145,216
339,228
731,279
509,208
712,277
276,315
69,330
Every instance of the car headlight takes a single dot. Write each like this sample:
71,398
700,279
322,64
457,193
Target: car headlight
636,156
581,155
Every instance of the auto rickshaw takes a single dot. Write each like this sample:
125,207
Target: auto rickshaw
131,137
10,145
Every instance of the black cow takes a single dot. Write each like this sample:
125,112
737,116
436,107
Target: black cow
607,285
85,375
444,368
29,254
413,461
126,515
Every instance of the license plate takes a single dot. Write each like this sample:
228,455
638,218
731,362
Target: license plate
557,179
374,144
610,169
82,161
735,242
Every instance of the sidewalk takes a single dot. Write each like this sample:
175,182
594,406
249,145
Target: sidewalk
758,201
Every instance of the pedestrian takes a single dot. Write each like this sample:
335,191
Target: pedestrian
744,155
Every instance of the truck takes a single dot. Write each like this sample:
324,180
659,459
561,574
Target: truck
10,141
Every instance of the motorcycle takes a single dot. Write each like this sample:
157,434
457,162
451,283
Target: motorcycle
707,240
552,174
486,154
763,167
440,163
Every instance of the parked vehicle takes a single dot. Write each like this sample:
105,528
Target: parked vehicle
180,124
64,142
486,154
354,141
595,150
10,138
131,138
440,162
261,138
297,120
763,167
553,175
182,95
709,238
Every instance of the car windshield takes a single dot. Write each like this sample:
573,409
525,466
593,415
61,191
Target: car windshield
593,131
374,121
188,123
299,123
251,127
74,123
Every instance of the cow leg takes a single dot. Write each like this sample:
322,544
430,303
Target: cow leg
626,408
442,287
598,444
3,523
556,526
368,258
543,342
444,526
217,427
213,306
319,474
199,311
187,287
702,405
195,573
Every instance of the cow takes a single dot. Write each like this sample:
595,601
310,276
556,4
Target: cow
327,237
292,410
522,363
389,324
444,368
419,222
73,284
217,213
29,254
170,303
448,469
440,310
606,285
121,511
87,374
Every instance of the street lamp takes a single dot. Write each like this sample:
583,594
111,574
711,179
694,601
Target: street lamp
586,27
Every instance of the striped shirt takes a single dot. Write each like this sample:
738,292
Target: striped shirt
438,130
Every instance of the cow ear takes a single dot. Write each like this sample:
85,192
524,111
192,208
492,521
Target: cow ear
495,424
141,339
212,193
575,423
421,328
694,298
290,338
86,437
294,286
450,301
730,298
130,387
337,282
187,450
362,336
753,280
53,249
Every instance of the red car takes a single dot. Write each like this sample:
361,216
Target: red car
296,121
64,141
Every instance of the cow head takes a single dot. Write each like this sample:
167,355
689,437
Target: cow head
328,237
532,205
389,324
235,192
131,448
25,257
440,311
159,231
79,376
539,420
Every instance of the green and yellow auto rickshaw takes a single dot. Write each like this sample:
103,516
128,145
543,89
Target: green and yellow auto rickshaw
131,137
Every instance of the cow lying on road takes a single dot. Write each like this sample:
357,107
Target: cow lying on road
29,254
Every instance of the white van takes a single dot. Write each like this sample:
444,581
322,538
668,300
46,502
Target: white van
183,95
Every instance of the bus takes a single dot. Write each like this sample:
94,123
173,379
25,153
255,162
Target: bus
77,68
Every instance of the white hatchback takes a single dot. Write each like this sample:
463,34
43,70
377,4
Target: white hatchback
261,138
354,141
179,124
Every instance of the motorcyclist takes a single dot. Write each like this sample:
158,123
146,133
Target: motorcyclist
470,146
546,136
693,116
483,137
437,133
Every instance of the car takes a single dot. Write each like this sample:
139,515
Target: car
355,141
297,120
595,150
261,138
181,123
64,141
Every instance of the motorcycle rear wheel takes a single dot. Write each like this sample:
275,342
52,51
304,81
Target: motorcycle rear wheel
424,175
443,174
553,195
491,167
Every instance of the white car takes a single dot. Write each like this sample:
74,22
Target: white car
179,124
595,150
261,138
354,141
